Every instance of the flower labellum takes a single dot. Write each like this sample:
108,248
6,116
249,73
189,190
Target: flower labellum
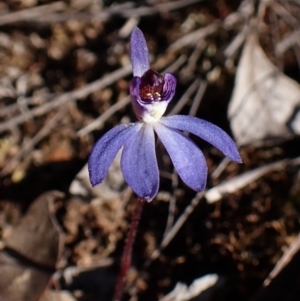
151,93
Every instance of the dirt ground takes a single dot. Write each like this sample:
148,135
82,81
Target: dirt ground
65,64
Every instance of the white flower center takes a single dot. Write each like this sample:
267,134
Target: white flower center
154,111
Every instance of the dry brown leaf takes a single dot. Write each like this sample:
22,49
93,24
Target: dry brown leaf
31,252
265,102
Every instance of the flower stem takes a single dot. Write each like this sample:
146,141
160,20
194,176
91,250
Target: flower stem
126,257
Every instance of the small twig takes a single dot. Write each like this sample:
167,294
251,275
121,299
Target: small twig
127,28
177,64
124,10
71,272
193,37
188,70
30,13
11,165
221,167
163,7
97,123
185,97
286,15
242,14
180,221
284,260
274,29
9,109
192,62
237,42
172,205
69,96
197,99
6,86
230,186
288,41
102,15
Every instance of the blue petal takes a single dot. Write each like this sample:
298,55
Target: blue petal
106,149
139,53
169,87
186,156
206,131
139,164
135,86
137,104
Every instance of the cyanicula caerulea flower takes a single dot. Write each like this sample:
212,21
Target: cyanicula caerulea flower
150,94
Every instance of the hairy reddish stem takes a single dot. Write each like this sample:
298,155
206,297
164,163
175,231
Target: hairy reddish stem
126,257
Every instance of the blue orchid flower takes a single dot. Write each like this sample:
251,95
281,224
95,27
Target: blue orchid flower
150,94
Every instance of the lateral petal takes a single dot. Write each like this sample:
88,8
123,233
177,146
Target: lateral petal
169,87
139,164
187,158
106,149
139,53
206,131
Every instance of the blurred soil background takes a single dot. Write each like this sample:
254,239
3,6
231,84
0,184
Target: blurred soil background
64,81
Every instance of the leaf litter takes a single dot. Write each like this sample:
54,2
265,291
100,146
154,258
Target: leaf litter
64,64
